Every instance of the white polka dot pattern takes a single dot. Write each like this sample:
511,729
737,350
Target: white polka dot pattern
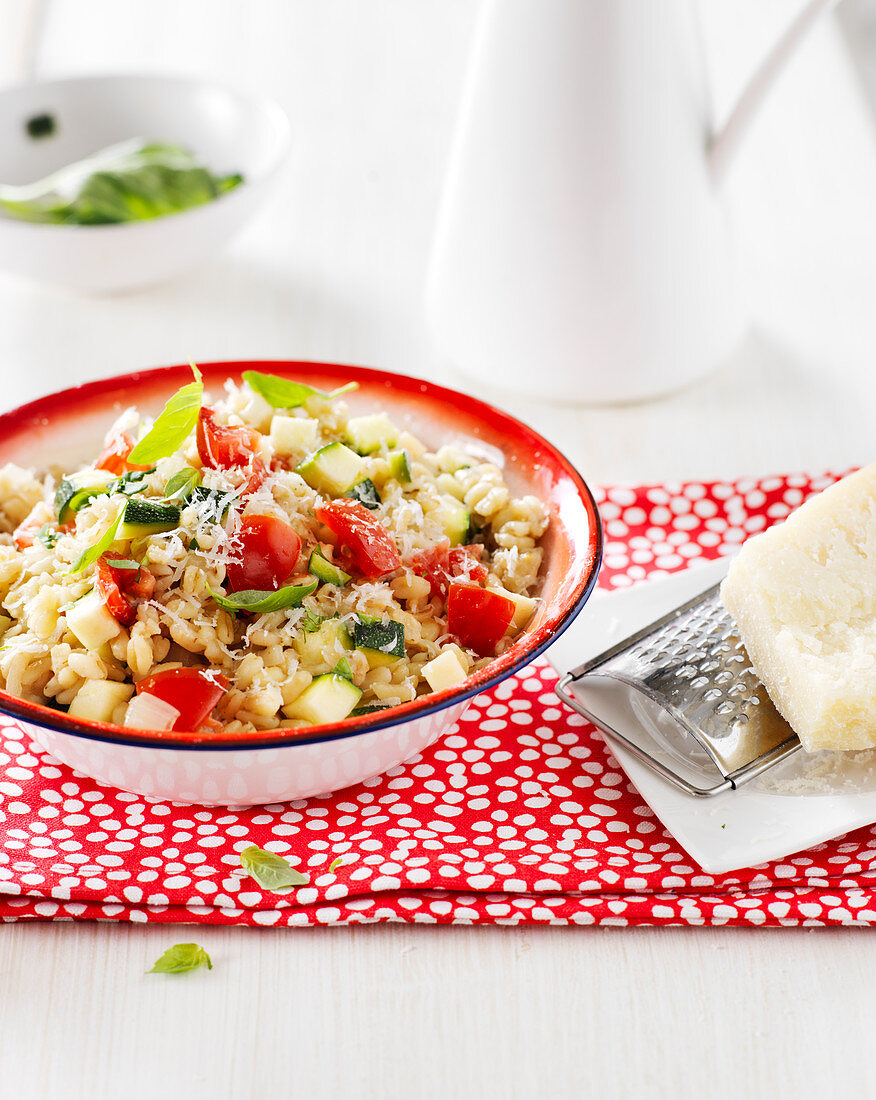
519,816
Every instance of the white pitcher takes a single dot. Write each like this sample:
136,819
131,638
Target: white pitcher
582,250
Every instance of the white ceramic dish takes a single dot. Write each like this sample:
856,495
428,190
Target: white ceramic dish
277,765
740,828
231,131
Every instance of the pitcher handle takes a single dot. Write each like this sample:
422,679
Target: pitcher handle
725,142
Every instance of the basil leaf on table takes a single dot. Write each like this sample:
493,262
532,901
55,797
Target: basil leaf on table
271,871
180,958
283,393
173,424
260,602
90,555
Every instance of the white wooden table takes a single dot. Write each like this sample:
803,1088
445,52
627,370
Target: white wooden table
335,271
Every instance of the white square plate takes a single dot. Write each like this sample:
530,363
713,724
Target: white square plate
740,828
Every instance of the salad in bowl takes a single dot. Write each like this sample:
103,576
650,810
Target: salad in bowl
270,559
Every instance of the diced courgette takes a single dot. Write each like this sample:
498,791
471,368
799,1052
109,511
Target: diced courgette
75,492
325,571
368,434
327,699
366,493
334,469
382,643
90,621
144,517
454,518
399,467
96,700
322,646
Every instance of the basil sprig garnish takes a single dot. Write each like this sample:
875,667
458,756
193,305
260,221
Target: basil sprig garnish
180,958
283,393
90,555
271,871
259,602
173,424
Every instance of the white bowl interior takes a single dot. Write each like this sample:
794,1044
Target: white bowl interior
229,130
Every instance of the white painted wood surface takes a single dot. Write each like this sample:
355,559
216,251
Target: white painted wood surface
334,270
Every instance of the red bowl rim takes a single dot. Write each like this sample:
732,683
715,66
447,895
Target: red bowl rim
523,652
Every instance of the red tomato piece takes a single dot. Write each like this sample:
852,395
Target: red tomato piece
115,586
26,531
114,456
444,562
364,541
193,691
221,447
270,549
477,617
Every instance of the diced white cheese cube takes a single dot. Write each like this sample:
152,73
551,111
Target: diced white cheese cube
294,434
96,700
803,595
444,671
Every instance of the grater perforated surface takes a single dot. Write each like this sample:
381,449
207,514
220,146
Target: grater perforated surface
693,666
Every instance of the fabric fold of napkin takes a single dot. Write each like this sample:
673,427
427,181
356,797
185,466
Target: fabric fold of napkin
521,815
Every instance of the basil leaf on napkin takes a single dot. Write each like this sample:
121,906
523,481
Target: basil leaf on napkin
283,393
260,602
271,871
181,957
172,425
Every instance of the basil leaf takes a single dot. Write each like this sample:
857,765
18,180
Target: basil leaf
132,482
283,393
48,535
130,181
310,622
183,483
271,871
90,555
181,957
260,602
173,424
342,668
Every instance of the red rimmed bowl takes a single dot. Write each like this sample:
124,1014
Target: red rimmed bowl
279,765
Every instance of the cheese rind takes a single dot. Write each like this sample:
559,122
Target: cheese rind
803,595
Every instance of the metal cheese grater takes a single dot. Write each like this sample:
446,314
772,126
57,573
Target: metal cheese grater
682,697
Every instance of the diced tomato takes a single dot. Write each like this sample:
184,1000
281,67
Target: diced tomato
193,691
119,589
26,531
444,562
114,457
221,447
477,617
270,549
365,544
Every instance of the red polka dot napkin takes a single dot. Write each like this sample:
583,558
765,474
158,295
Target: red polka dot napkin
520,816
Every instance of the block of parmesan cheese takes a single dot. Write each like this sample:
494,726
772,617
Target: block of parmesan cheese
803,595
